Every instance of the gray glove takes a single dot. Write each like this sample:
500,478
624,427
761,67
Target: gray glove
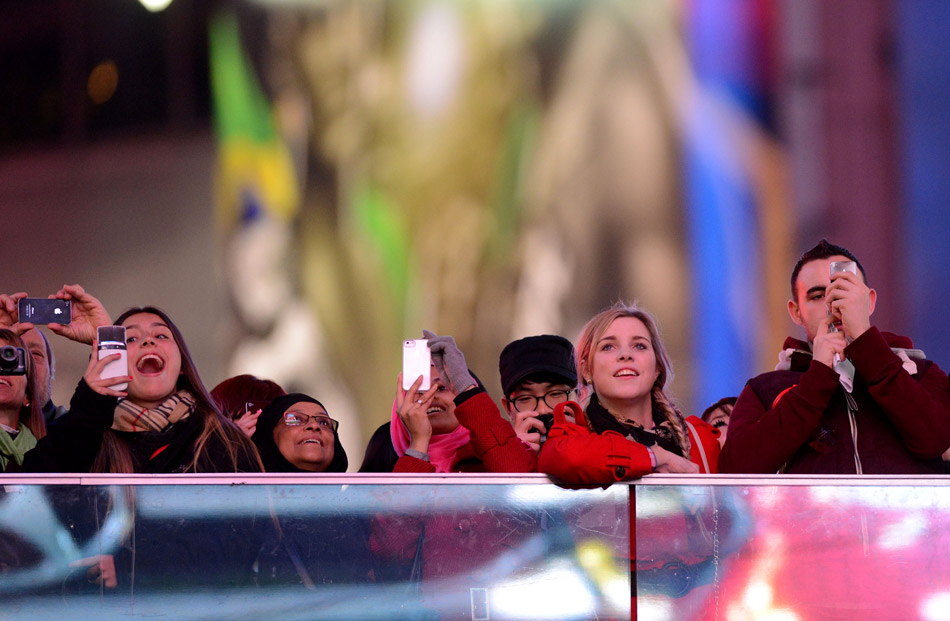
450,361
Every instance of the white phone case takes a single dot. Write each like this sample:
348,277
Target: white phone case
416,361
116,368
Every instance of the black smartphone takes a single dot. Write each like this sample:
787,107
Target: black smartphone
45,310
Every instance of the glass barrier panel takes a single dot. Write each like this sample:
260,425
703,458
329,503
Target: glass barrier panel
825,550
301,551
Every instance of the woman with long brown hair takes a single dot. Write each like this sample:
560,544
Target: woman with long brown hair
164,422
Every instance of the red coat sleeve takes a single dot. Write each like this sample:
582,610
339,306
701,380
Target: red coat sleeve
574,454
762,437
493,439
706,447
919,408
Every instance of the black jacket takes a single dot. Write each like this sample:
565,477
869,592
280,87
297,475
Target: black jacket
73,443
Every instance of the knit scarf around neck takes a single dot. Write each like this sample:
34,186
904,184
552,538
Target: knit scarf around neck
15,447
663,434
131,417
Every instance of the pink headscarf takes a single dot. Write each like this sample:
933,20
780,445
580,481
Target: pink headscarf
442,447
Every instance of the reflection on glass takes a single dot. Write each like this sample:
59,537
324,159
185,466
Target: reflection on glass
356,551
792,552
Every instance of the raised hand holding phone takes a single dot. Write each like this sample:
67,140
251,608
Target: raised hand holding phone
411,405
837,267
87,315
10,314
93,375
850,301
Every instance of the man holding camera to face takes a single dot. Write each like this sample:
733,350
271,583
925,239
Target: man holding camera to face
852,399
537,373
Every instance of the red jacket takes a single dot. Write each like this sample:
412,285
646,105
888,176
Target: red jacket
797,420
575,454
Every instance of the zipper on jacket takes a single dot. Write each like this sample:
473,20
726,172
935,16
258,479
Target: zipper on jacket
852,408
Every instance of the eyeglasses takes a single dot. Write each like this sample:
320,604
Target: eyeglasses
297,419
527,403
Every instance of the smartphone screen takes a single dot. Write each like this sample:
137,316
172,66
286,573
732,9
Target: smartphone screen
43,310
416,361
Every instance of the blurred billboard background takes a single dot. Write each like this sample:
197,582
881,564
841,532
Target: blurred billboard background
303,184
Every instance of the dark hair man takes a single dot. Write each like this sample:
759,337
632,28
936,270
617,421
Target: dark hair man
537,373
850,399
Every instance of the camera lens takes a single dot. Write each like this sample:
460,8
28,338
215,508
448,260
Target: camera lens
8,353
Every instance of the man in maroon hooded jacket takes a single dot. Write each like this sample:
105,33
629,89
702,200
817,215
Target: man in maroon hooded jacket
852,399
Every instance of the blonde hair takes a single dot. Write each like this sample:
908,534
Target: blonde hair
584,357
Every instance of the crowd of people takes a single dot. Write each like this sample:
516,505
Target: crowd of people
162,419
847,399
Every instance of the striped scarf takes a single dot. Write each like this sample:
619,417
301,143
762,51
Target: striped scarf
131,417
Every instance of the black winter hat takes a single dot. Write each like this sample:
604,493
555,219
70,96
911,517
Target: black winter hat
549,354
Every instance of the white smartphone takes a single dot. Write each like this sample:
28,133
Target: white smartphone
112,341
416,361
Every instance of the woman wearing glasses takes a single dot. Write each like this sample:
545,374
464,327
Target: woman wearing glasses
326,547
537,373
295,434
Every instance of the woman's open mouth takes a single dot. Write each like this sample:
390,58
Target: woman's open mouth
150,364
